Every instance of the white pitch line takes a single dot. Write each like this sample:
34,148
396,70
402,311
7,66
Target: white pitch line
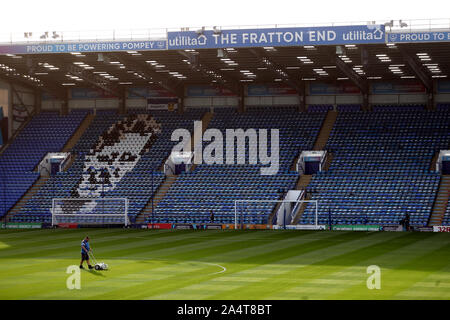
187,261
214,264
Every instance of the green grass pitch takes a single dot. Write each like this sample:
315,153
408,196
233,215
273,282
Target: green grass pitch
253,264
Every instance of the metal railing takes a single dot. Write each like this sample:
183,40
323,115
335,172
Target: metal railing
408,25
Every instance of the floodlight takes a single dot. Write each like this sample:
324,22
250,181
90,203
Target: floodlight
389,24
200,31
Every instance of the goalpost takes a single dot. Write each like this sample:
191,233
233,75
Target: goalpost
292,206
90,211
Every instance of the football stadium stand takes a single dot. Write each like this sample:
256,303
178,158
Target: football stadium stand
380,170
215,187
47,132
446,220
372,107
442,207
135,183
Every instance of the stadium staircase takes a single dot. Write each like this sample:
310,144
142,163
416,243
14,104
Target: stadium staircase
319,144
43,179
206,119
146,214
434,161
302,184
17,132
27,196
76,137
215,187
47,131
325,131
441,202
78,133
135,185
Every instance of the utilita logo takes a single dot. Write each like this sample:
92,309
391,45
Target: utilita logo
187,40
235,139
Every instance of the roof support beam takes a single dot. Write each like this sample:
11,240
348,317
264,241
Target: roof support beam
302,99
19,98
284,75
38,100
50,87
90,78
65,104
417,69
55,90
93,79
279,72
421,74
22,77
216,77
359,81
171,85
241,100
122,103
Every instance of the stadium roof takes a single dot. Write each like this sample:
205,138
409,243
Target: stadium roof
229,67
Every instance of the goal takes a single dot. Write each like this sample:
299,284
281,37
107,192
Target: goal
286,210
101,211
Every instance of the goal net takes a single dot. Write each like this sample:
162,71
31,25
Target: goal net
101,211
279,212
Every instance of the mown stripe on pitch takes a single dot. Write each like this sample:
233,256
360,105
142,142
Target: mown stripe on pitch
207,249
362,258
204,270
314,265
32,268
50,252
177,281
132,268
233,265
296,262
161,247
184,246
420,268
97,235
388,262
357,258
52,262
37,247
38,243
238,264
109,238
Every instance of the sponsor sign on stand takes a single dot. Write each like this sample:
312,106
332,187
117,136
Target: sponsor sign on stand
356,228
21,225
441,228
300,227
